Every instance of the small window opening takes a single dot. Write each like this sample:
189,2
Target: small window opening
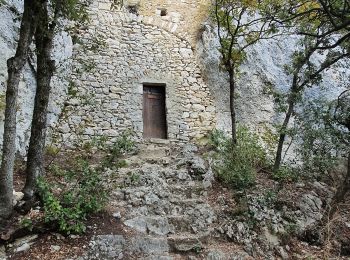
133,9
163,12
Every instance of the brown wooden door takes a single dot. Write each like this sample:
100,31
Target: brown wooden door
154,115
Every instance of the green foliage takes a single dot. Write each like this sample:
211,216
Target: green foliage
72,89
77,190
240,25
27,223
322,30
134,178
117,4
285,173
290,231
270,197
74,10
123,145
237,164
68,202
96,43
197,249
218,139
51,150
270,139
322,140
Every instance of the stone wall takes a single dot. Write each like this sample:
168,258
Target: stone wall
133,50
187,14
119,51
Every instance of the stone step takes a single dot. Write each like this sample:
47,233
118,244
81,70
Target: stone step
151,151
181,223
187,202
149,245
190,190
157,141
160,225
187,242
154,225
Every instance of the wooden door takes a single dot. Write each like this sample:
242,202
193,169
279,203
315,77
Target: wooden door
154,115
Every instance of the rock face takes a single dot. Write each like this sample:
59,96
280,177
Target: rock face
106,247
9,29
264,65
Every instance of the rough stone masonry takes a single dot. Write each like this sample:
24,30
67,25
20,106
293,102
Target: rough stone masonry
98,87
134,50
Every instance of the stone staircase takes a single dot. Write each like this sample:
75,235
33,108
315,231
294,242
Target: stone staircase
162,202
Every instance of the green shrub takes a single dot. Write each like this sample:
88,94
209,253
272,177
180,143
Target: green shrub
69,201
236,165
27,223
218,139
123,145
75,191
322,142
286,173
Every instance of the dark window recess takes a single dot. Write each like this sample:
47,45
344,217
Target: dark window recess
154,112
133,9
163,12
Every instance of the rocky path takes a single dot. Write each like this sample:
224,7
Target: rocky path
161,198
166,205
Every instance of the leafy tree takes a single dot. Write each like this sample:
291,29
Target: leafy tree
325,29
321,140
341,116
14,66
240,24
336,120
36,21
45,31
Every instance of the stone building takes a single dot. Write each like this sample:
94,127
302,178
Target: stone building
142,73
152,67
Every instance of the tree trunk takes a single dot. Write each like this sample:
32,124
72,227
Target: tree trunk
14,66
45,68
232,106
282,136
339,195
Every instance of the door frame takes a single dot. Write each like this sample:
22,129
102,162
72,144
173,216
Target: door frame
163,87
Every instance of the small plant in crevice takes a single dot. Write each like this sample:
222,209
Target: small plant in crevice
197,249
236,165
123,145
27,223
134,178
270,198
291,230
